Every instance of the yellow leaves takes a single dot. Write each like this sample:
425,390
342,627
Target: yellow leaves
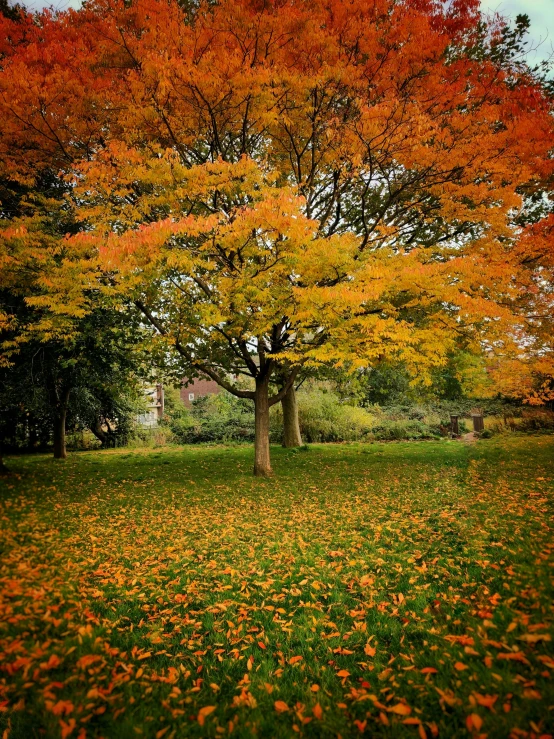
534,638
245,699
448,697
366,581
203,713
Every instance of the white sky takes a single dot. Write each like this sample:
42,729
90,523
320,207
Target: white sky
541,13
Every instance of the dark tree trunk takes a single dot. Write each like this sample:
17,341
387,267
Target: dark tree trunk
3,469
291,425
60,451
59,398
262,463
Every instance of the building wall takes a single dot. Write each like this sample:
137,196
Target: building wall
197,388
154,397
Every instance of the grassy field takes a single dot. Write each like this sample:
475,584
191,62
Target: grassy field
401,590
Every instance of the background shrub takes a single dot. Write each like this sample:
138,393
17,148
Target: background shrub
324,417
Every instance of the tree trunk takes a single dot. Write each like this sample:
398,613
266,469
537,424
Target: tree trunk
3,469
59,433
99,432
291,425
262,463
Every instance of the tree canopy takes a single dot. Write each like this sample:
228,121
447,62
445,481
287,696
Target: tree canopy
283,185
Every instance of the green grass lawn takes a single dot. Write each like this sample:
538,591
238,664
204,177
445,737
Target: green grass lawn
392,589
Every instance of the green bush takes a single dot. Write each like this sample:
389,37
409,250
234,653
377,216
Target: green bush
392,430
212,418
529,421
323,417
151,438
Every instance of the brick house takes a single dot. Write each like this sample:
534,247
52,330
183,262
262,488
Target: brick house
197,388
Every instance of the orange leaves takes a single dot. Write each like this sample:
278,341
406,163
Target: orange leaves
53,662
474,722
203,713
281,706
400,709
513,657
317,711
87,660
487,701
535,638
67,727
369,650
62,708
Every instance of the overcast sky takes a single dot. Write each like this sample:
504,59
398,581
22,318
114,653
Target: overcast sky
541,13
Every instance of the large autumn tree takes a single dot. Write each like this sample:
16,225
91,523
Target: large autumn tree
283,184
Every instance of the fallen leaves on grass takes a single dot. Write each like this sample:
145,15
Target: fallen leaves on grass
114,588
